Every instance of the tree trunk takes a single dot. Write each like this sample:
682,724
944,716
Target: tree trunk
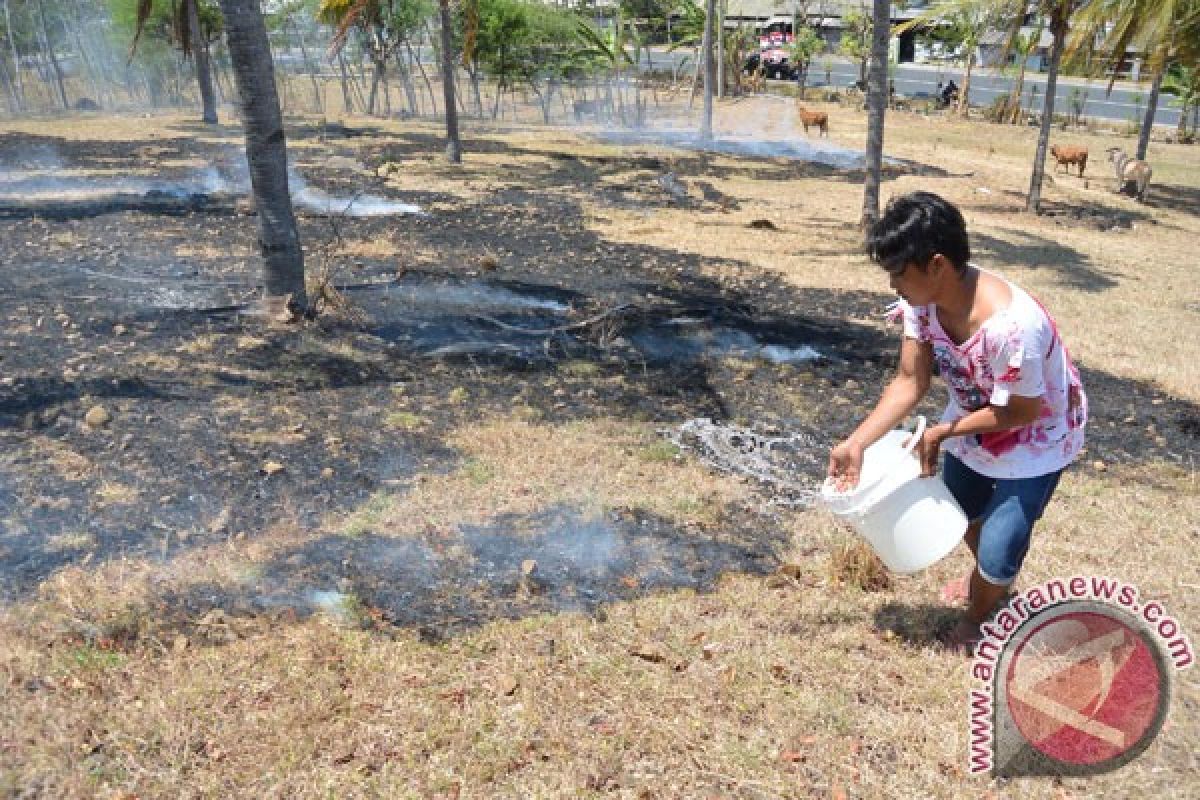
200,55
58,75
877,96
1015,99
266,152
706,126
1058,33
476,91
963,103
453,143
347,100
1151,109
377,77
697,78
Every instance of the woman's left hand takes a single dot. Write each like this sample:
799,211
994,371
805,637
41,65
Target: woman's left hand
929,448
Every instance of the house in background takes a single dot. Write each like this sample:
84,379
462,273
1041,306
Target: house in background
774,21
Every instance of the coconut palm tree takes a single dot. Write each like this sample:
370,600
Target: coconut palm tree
1183,83
189,35
1165,30
1058,19
266,154
877,97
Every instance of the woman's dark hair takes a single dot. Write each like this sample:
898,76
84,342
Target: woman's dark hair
915,227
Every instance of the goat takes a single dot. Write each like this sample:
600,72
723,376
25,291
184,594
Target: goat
1066,156
819,119
1130,170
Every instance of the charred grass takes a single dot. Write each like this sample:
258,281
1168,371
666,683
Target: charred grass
319,563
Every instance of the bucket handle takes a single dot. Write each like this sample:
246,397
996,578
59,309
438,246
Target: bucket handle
911,444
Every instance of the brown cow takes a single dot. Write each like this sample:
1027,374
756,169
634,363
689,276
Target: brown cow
814,118
1066,156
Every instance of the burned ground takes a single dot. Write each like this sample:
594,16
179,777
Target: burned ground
203,397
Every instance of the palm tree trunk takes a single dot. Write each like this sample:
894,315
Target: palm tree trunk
877,95
706,126
377,78
1058,32
476,90
1014,99
453,143
966,88
347,100
266,152
1151,108
203,72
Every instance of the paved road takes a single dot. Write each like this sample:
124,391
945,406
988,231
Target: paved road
986,86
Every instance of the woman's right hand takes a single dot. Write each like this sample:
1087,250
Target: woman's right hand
845,465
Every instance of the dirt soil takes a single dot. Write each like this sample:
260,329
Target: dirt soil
554,299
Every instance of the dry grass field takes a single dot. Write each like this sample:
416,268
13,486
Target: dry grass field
546,599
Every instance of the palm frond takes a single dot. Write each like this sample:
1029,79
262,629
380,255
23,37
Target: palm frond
348,14
144,7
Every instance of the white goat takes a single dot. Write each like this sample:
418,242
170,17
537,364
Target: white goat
1130,170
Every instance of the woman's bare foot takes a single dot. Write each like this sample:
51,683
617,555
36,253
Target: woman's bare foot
962,638
955,592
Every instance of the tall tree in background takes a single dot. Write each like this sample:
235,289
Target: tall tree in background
806,44
266,154
877,97
1058,14
857,41
453,143
384,27
191,24
1159,28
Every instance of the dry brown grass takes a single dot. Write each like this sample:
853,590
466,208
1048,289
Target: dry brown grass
798,687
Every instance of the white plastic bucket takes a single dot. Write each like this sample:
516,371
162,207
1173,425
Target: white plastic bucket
910,521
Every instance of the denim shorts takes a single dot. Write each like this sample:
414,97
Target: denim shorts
1008,508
